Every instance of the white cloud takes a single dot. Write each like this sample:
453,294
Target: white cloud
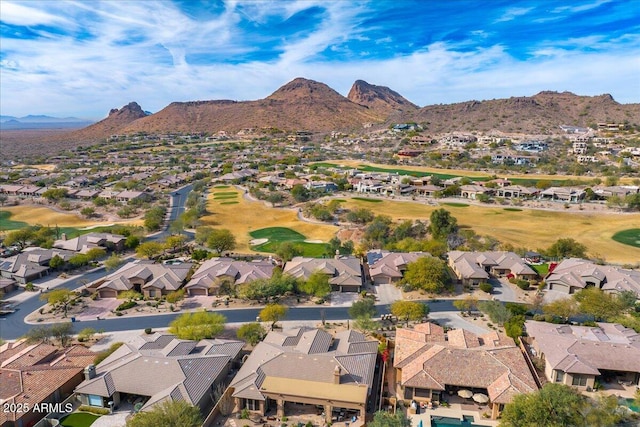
19,14
512,13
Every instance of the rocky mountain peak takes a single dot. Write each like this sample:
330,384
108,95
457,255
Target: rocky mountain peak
379,98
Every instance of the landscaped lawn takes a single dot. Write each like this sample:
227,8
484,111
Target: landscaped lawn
277,235
629,237
541,269
455,204
368,200
8,224
78,419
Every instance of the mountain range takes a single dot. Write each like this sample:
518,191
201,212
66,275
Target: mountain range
309,105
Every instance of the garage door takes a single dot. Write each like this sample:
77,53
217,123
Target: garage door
198,292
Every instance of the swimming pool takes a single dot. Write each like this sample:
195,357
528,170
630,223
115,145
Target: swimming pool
467,421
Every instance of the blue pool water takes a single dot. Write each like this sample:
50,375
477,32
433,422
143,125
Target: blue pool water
467,421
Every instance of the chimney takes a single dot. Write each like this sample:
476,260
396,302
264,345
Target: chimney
337,254
336,375
64,236
90,372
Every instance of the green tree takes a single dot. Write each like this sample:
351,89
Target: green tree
497,312
273,313
87,211
149,249
252,333
95,253
175,296
202,235
360,216
566,248
514,327
563,308
467,304
197,325
154,218
62,332
173,243
387,419
172,413
409,310
317,285
19,237
59,297
554,405
221,240
442,223
39,334
365,324
427,273
599,304
130,295
113,262
363,308
55,194
86,334
56,262
286,251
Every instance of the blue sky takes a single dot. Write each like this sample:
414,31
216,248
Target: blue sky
83,58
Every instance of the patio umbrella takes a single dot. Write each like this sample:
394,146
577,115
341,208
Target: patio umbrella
465,394
480,398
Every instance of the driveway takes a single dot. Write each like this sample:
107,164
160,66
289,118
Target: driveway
502,291
387,293
452,319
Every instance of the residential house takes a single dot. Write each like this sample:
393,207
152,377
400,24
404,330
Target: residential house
345,272
215,271
472,268
563,194
31,264
128,196
517,192
575,274
309,366
472,191
431,364
33,374
85,242
581,355
389,267
159,367
148,278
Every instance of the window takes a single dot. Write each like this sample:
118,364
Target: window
252,405
95,400
559,376
152,293
579,380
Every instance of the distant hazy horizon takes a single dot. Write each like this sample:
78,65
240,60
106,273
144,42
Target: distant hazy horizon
82,59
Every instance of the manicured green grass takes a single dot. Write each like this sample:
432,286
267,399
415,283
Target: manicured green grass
222,186
78,419
629,237
277,234
312,250
216,197
456,205
541,269
366,199
230,203
442,176
513,209
225,193
340,200
8,224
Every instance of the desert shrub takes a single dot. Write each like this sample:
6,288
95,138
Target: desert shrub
126,305
485,287
94,410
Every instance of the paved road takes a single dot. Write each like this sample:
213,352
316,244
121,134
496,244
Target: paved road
12,326
178,202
